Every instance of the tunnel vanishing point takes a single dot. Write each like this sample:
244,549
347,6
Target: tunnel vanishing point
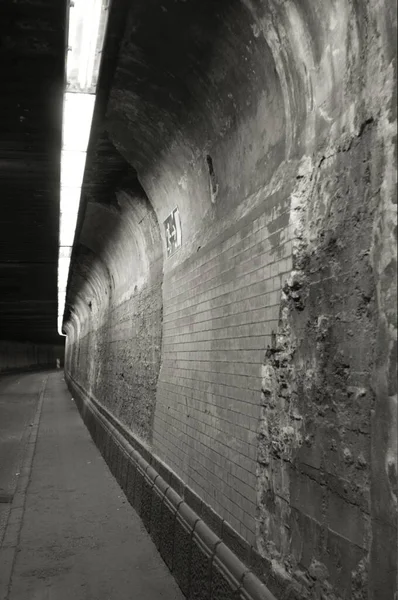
230,319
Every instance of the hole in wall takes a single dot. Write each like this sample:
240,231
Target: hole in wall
213,178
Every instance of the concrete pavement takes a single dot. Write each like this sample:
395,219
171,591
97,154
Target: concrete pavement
18,401
74,534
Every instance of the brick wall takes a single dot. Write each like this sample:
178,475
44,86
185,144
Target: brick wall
220,309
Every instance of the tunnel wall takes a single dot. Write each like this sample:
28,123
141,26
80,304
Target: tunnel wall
15,356
114,351
274,395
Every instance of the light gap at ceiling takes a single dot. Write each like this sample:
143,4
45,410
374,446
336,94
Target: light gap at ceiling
86,34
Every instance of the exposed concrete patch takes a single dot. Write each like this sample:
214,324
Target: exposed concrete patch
314,439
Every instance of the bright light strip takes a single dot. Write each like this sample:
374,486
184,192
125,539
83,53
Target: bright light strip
65,251
87,25
72,168
60,321
67,226
70,199
78,113
63,270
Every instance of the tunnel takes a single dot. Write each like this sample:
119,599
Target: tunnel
229,334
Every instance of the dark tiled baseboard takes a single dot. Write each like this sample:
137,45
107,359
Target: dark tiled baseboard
209,560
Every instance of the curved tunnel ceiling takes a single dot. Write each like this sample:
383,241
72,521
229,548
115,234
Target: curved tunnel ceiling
255,85
32,66
251,85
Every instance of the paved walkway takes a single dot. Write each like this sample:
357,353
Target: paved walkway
18,401
71,534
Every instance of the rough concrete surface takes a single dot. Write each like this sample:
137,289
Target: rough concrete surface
120,341
315,461
79,537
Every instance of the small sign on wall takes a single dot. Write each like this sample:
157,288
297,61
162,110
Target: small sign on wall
172,228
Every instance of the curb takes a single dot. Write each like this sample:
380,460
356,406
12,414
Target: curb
10,540
202,564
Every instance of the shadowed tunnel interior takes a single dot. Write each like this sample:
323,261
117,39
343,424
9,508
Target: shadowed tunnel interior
254,361
32,57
